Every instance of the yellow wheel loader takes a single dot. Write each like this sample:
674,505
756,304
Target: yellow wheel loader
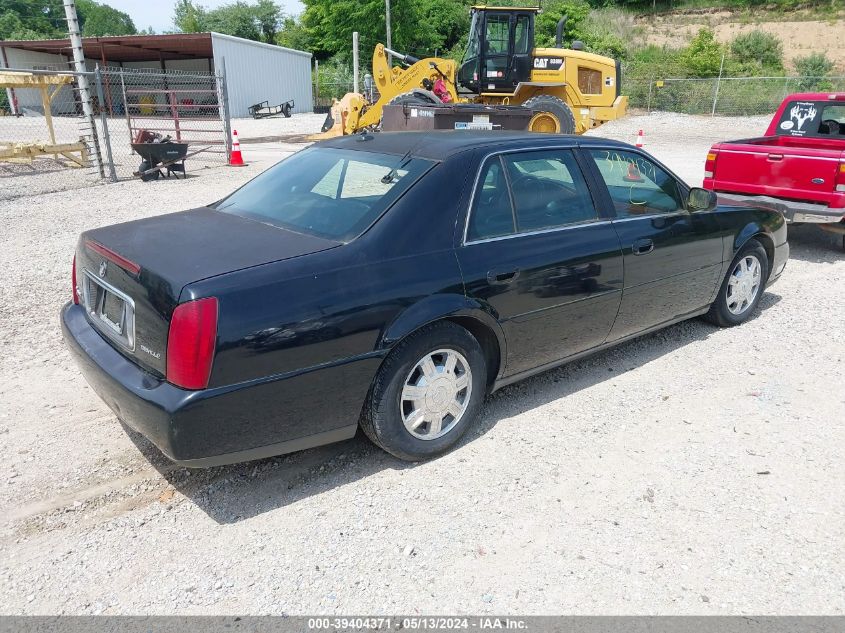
568,89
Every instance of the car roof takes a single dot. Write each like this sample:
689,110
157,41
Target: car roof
440,144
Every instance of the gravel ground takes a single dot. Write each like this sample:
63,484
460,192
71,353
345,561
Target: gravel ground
693,471
46,175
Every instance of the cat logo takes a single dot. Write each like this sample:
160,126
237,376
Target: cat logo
548,63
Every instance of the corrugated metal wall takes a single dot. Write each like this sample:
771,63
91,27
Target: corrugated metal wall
258,72
29,99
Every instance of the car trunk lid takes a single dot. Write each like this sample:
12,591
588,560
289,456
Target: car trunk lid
131,275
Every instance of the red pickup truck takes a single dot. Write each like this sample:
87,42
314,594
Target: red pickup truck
798,167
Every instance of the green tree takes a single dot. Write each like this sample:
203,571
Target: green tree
253,21
703,56
813,70
236,19
758,50
268,16
293,34
330,24
188,17
576,11
31,19
100,19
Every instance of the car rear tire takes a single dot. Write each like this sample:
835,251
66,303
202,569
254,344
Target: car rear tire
554,116
742,287
427,392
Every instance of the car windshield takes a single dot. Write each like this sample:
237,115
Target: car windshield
331,193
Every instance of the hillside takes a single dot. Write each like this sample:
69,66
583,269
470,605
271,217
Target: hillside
801,33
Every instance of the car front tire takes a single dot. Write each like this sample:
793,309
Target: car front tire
742,288
427,393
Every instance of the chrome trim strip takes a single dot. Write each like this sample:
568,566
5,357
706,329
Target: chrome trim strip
555,229
652,215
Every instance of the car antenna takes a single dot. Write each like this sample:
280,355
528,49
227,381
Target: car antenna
365,136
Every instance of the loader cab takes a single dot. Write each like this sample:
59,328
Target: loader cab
498,54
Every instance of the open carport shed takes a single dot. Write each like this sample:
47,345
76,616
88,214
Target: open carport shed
255,71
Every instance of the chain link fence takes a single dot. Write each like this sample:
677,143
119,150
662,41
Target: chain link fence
49,143
726,96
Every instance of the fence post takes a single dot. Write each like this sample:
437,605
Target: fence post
104,121
82,79
355,62
224,105
650,88
316,80
718,85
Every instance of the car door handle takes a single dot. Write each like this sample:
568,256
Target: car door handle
775,157
642,247
497,277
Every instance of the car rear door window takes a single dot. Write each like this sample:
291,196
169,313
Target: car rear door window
492,213
637,186
549,190
527,192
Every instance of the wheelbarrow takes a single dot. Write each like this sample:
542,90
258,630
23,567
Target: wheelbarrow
167,155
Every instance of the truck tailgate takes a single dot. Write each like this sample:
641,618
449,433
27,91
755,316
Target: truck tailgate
776,169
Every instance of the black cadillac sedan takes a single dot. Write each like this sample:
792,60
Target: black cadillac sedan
392,281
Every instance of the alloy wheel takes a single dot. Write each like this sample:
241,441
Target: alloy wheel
744,284
436,394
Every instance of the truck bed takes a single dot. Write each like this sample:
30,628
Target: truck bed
798,166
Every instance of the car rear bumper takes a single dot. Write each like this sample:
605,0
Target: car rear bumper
793,211
203,428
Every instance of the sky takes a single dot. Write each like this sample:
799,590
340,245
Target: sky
159,13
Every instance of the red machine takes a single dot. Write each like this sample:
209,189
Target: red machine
798,167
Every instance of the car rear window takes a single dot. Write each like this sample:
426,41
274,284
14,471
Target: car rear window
820,119
331,193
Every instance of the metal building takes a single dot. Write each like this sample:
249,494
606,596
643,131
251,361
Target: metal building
255,72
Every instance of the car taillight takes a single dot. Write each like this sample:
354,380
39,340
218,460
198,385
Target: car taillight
73,282
710,164
190,344
840,177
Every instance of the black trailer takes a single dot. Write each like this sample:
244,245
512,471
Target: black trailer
264,109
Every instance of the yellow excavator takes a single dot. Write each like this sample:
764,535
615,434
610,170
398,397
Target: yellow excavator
568,89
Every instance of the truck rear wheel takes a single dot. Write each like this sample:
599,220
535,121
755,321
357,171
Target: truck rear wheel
553,116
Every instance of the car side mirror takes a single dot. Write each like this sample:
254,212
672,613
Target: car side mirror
701,200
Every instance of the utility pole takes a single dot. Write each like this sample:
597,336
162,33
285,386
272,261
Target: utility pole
389,43
355,62
82,79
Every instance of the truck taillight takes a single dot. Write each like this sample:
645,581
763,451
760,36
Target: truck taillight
190,344
710,164
840,178
73,282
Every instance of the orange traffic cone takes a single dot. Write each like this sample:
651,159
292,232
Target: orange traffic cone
640,139
633,174
235,158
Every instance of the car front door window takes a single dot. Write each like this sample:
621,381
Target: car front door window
637,186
